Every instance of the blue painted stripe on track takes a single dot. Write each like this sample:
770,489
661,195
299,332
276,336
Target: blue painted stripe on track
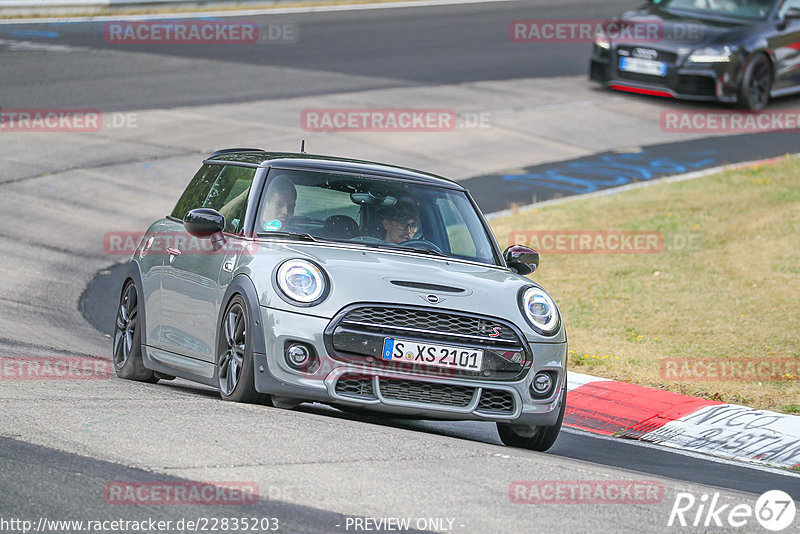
35,33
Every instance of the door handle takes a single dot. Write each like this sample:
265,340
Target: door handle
174,251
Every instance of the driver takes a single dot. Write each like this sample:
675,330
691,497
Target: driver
281,197
401,223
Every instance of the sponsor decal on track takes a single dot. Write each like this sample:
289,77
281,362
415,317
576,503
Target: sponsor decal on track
612,408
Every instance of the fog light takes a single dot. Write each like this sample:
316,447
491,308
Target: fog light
300,356
542,384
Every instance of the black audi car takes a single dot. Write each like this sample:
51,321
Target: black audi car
736,51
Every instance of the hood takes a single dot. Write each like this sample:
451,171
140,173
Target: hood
359,274
682,34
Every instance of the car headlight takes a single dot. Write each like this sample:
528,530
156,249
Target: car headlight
540,310
302,281
601,39
712,54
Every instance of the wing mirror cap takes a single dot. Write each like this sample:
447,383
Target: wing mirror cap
522,259
205,223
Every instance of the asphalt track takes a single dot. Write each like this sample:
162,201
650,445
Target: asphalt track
360,50
61,445
607,170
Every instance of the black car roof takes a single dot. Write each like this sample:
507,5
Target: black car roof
253,156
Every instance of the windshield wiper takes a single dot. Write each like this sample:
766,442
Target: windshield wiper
292,235
420,250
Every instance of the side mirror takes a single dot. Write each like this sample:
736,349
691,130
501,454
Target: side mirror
206,223
522,259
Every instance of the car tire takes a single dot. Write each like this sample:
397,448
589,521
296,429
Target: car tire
756,84
126,352
536,438
235,368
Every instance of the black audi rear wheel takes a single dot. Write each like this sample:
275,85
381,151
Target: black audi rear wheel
756,84
536,438
127,351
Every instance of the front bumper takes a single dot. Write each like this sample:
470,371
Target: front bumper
374,386
717,82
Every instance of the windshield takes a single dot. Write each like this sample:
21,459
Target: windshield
746,9
373,212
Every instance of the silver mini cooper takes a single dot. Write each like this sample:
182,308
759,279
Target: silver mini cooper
290,278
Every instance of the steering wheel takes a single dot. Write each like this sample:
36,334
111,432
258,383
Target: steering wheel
421,243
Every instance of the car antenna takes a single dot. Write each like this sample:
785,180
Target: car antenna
303,146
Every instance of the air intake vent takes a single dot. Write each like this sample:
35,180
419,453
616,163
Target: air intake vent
427,287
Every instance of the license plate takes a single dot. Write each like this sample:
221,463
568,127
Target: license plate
643,66
429,354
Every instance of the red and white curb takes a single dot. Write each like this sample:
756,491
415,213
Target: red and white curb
612,408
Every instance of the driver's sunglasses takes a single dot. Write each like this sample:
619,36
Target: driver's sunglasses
404,224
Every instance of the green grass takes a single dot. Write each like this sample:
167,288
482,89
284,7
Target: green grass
733,294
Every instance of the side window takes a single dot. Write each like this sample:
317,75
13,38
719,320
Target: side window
197,190
228,195
461,243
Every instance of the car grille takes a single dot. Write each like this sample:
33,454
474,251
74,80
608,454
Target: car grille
456,327
492,401
358,333
496,401
358,386
426,392
644,78
668,57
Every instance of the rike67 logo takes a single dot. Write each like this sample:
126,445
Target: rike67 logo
774,510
